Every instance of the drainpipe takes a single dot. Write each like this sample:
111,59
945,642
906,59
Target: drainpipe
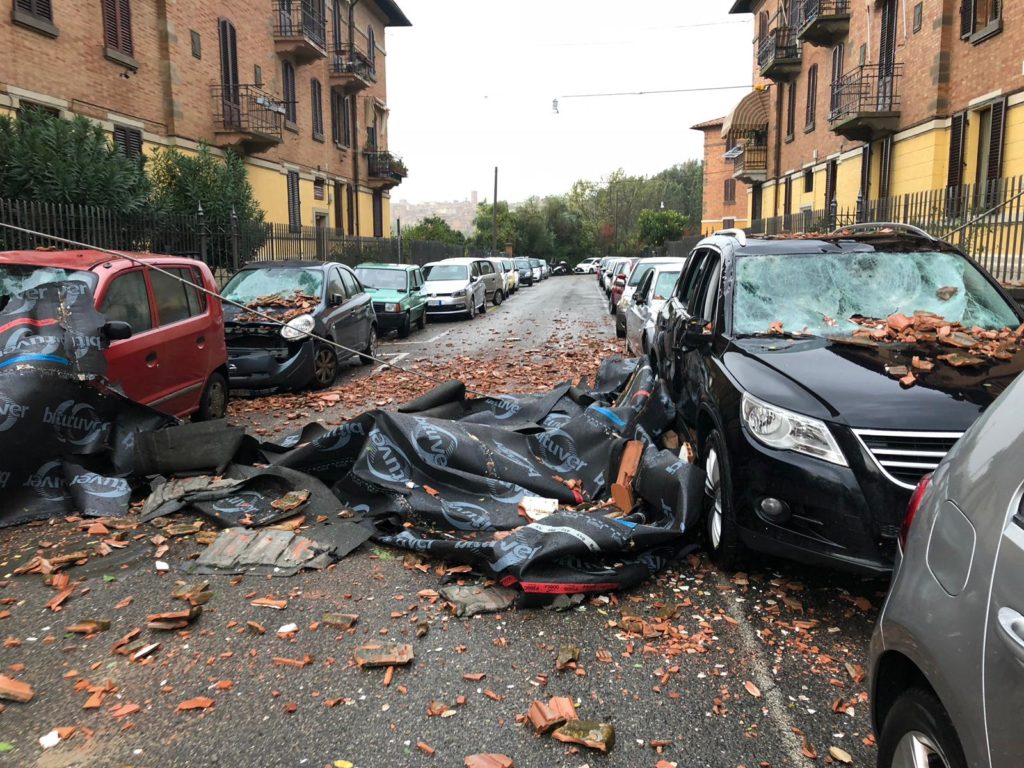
778,148
355,117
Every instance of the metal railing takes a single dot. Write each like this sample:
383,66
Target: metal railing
385,165
346,60
780,44
300,18
986,221
807,12
870,88
246,109
754,158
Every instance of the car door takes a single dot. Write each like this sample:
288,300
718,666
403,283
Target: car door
672,317
490,277
476,284
417,301
637,313
335,311
692,367
359,308
132,363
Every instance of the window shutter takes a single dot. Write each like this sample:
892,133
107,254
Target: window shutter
995,147
110,23
956,151
966,18
294,207
288,75
885,168
40,8
865,172
317,107
830,182
124,22
812,96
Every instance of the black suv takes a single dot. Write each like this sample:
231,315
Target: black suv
820,379
324,299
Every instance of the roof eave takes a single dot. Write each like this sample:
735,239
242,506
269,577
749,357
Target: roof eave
393,14
742,6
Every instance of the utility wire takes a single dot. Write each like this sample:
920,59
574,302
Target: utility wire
262,315
651,93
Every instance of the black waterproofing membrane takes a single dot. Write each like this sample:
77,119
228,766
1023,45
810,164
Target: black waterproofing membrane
440,477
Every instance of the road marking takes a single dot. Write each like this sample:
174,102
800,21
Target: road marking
428,341
439,336
394,358
775,701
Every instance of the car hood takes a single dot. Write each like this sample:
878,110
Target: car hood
387,295
848,383
444,286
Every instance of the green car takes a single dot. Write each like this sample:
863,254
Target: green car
397,292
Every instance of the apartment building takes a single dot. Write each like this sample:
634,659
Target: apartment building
864,100
725,196
296,87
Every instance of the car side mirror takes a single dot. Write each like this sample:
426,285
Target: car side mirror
337,299
639,299
116,330
697,333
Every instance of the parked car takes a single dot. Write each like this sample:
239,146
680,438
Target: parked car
640,269
947,655
508,277
601,268
656,286
608,275
545,270
397,293
509,266
323,299
786,378
537,270
487,271
619,277
587,266
525,269
454,288
173,358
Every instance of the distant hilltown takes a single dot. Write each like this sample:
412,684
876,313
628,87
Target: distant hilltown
458,213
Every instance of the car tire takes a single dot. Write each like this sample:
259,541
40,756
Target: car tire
422,322
620,327
325,367
406,327
483,305
498,298
611,307
214,402
918,726
471,312
367,356
721,535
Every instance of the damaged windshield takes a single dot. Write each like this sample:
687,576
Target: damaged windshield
383,279
819,293
252,284
15,278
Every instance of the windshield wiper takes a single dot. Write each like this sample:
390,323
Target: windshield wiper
776,335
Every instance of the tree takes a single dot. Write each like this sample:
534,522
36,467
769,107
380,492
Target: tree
50,160
657,227
182,182
481,237
434,228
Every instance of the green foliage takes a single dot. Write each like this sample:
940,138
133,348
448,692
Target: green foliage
181,182
436,229
658,227
50,160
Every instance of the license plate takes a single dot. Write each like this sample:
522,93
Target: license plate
433,303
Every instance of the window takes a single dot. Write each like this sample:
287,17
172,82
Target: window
196,298
127,300
730,192
336,28
808,181
371,45
335,287
791,112
980,19
837,75
991,122
128,140
812,98
288,77
117,32
319,187
172,299
43,109
230,93
788,199
35,14
918,17
728,223
352,287
257,75
294,206
863,54
317,104
486,268
197,44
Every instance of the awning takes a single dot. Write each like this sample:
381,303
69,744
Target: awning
751,114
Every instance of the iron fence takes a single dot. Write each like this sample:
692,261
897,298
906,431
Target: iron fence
247,109
345,60
780,44
869,88
300,18
754,158
807,12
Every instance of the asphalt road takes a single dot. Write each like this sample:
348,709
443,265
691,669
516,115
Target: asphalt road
746,666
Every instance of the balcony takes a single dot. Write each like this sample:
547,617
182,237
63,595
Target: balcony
300,30
751,166
351,69
385,170
866,102
778,55
246,118
823,22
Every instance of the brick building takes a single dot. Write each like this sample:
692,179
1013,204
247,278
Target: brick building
725,197
297,87
865,101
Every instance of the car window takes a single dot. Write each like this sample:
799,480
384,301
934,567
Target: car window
702,302
127,300
645,285
639,273
352,286
486,268
440,272
172,303
688,282
196,298
664,284
335,284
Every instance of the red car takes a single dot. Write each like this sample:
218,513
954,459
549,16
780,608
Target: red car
622,270
175,359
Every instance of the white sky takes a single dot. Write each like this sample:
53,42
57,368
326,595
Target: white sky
470,86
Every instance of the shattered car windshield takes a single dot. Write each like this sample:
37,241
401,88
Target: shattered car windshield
384,279
449,272
818,294
15,278
251,284
665,283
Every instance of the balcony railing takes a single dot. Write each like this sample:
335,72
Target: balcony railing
865,103
822,22
752,165
778,54
300,29
246,116
385,166
351,68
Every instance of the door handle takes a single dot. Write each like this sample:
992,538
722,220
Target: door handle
1011,629
151,359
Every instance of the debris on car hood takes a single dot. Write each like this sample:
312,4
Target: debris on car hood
284,308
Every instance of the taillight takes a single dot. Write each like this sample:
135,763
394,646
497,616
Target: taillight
912,507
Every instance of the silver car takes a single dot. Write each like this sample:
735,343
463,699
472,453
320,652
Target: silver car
488,272
454,287
640,269
655,287
947,656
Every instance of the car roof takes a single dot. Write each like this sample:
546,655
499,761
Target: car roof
462,260
84,259
859,239
376,265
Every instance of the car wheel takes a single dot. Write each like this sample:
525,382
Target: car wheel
406,327
611,307
214,402
325,367
498,298
370,352
620,327
721,534
422,322
483,305
471,312
917,733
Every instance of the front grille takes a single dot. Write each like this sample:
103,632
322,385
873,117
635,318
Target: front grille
378,306
906,457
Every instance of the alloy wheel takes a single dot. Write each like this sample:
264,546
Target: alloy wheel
325,366
713,490
217,399
916,750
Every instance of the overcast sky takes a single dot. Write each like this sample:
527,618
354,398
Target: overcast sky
471,84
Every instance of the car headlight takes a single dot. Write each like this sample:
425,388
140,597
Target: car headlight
459,294
778,428
392,308
297,327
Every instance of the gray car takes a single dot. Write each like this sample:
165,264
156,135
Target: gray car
454,287
947,656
